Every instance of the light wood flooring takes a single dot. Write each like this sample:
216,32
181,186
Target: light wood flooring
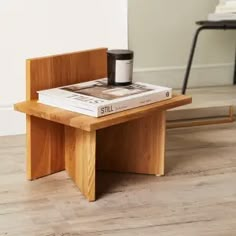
197,197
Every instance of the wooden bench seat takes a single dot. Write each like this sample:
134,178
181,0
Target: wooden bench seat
88,123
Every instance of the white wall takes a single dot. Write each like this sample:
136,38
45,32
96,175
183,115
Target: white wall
30,28
161,33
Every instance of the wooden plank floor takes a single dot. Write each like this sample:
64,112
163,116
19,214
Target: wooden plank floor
197,197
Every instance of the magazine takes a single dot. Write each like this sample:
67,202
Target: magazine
96,98
222,17
224,11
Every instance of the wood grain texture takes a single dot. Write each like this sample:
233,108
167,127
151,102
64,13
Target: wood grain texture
88,123
64,69
136,146
196,197
55,135
80,155
161,142
45,147
44,137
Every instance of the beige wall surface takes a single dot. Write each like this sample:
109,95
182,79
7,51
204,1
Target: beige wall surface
161,33
31,29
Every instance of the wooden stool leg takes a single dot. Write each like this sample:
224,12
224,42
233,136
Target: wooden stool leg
45,147
161,142
137,146
80,151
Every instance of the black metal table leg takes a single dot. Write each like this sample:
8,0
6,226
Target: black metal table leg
207,25
190,60
235,68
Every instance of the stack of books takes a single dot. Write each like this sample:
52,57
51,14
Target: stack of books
96,98
225,11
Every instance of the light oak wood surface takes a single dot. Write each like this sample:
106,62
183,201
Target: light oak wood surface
196,197
80,156
88,123
45,149
137,146
45,139
64,69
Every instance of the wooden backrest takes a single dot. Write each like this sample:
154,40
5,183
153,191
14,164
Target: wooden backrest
65,69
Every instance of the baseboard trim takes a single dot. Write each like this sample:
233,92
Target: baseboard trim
12,122
4,107
200,76
168,68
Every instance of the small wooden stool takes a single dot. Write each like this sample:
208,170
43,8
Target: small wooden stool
128,141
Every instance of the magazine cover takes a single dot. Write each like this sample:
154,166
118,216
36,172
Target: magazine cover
100,89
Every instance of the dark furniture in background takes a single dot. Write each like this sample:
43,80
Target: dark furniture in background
207,25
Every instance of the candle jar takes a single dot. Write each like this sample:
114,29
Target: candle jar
120,67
